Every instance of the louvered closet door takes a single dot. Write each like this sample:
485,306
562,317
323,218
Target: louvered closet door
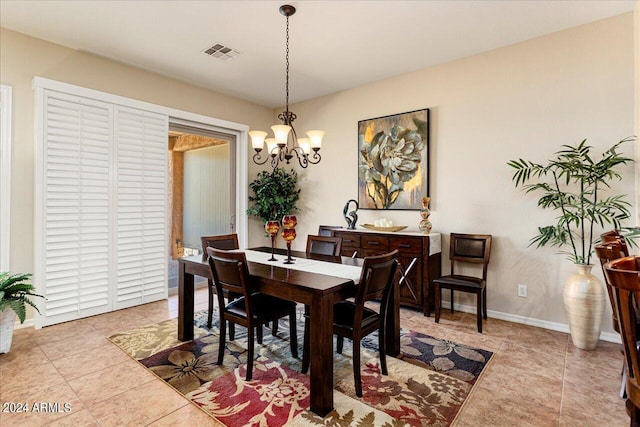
141,249
76,237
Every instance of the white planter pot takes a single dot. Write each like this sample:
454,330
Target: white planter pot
7,322
584,301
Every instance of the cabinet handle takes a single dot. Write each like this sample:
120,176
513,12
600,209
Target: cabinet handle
404,245
347,240
374,243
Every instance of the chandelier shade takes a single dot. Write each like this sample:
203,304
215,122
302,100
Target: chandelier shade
285,144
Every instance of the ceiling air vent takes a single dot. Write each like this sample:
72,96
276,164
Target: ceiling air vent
221,52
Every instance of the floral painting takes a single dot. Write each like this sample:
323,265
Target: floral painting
393,161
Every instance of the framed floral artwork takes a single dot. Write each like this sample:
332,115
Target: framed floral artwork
393,161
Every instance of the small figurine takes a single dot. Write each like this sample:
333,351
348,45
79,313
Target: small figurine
425,224
351,217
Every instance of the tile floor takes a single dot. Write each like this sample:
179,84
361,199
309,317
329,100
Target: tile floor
536,378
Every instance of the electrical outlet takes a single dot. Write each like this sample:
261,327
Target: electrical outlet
522,291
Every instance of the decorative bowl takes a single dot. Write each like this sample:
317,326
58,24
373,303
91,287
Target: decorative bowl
392,229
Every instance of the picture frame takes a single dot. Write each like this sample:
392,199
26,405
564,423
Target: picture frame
393,161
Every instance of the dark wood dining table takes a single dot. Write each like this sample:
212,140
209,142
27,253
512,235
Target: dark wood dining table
319,291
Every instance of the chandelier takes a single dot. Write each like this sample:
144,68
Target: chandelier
285,144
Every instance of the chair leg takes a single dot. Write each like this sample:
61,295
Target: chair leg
356,366
211,296
634,413
479,310
438,292
250,352
232,331
274,328
232,326
293,332
259,333
382,350
451,300
305,347
339,344
484,302
223,333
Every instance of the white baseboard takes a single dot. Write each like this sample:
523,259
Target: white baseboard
545,324
28,323
197,285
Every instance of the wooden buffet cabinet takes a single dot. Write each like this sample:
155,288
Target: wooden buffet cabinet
419,256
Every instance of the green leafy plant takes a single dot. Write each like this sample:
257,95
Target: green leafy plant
15,291
275,194
573,183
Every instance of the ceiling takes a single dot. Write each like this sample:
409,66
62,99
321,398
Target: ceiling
334,45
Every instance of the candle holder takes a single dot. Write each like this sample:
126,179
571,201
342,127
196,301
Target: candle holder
289,223
272,228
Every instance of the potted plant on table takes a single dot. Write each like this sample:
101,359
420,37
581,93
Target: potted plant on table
275,194
574,184
15,291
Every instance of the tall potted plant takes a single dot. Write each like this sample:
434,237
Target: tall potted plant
275,194
574,184
15,291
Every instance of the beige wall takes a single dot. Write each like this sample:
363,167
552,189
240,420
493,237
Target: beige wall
525,100
636,17
23,57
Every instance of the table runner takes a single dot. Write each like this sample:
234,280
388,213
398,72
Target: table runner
309,265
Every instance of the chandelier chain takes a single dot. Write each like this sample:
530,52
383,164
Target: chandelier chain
287,68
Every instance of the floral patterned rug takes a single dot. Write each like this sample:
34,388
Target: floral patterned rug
426,385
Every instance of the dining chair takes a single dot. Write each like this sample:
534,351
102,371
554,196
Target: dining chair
615,236
324,245
327,230
607,252
466,248
353,320
623,276
225,242
252,309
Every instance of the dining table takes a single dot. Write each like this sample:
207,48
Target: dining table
302,283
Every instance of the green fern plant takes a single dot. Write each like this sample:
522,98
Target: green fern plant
573,183
15,291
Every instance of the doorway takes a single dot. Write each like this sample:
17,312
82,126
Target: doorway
202,189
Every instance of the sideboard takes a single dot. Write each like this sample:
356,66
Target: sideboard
419,256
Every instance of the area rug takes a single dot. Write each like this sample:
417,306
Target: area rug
426,385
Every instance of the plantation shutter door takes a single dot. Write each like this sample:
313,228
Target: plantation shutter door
76,236
141,249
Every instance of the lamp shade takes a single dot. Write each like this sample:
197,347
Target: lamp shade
271,145
305,145
257,139
316,138
281,132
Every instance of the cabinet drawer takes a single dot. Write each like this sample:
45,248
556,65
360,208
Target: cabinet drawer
406,245
349,240
378,243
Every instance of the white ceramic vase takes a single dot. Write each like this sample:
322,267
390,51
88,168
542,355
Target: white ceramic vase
584,301
7,322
